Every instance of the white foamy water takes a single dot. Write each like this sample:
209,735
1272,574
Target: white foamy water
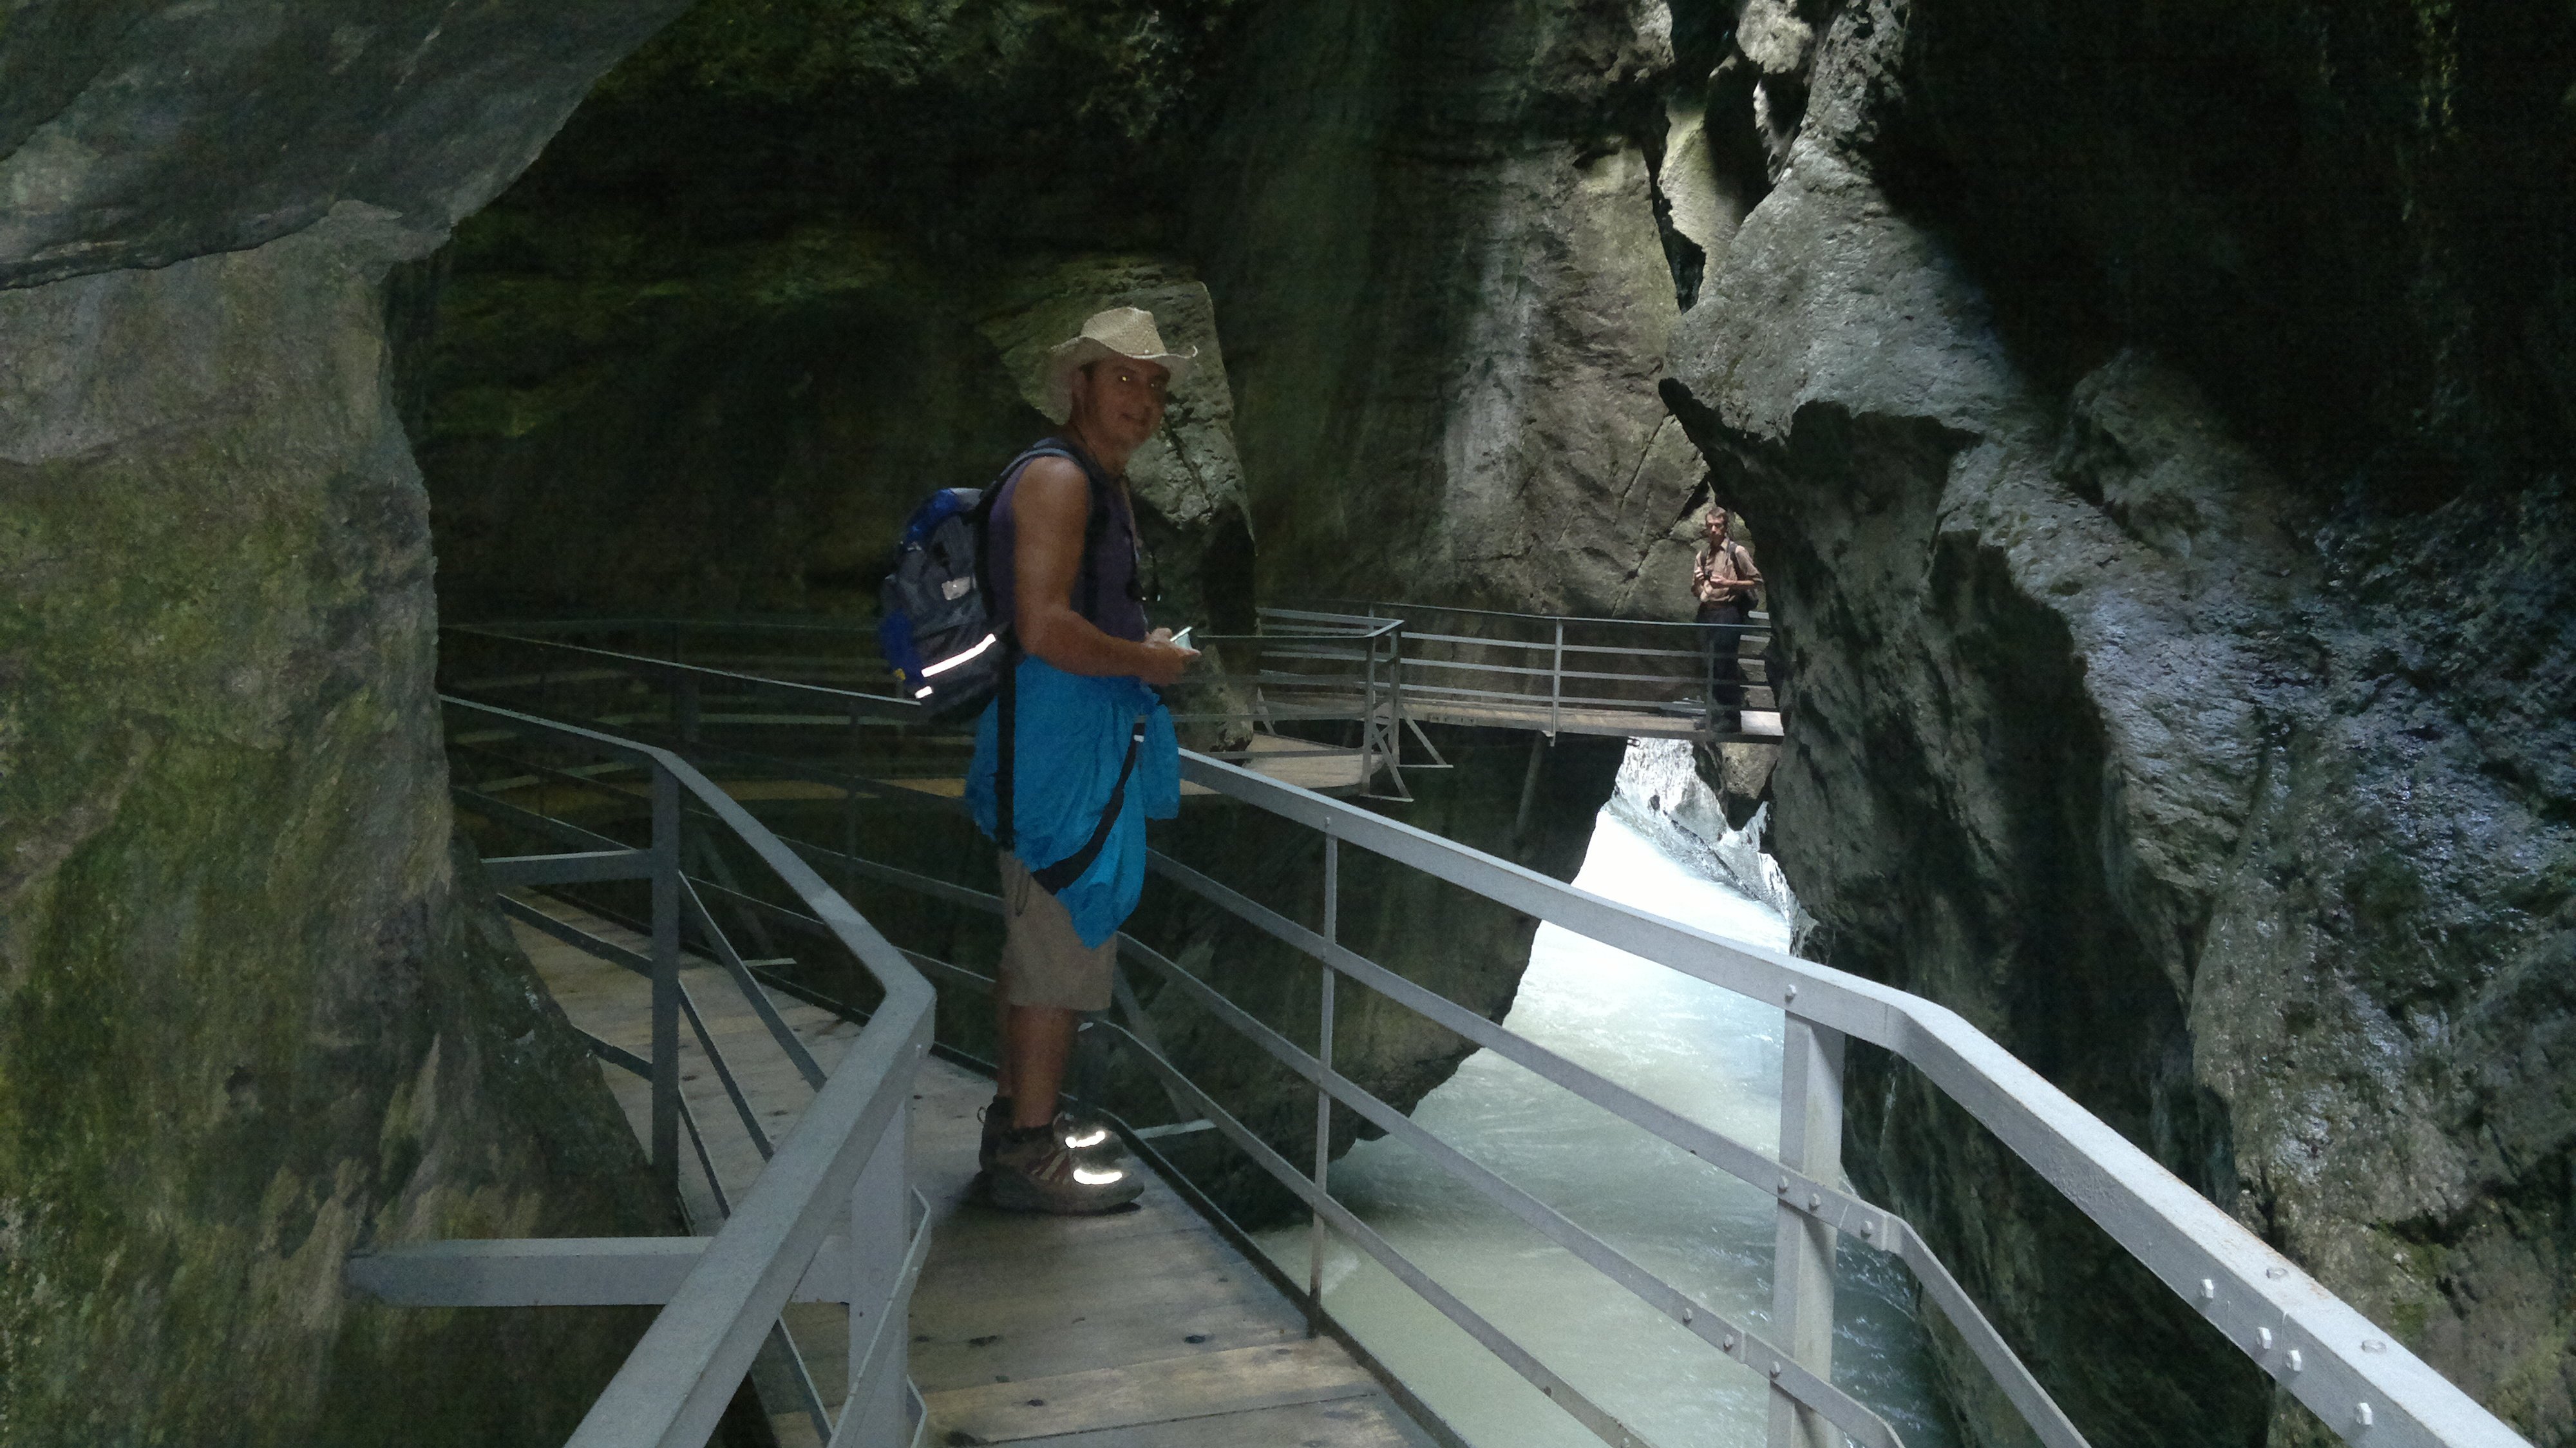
1703,1052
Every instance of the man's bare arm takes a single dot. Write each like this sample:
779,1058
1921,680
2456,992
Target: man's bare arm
1052,506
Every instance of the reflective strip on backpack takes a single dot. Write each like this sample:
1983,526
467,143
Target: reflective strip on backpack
953,660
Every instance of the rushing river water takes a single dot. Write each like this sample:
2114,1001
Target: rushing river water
1706,1053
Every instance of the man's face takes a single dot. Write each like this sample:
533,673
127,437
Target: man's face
1121,400
1717,527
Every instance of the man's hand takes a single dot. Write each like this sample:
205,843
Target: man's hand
1164,660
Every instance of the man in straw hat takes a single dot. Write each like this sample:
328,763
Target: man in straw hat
1090,749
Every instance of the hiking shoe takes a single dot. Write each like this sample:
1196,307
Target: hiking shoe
1085,1136
997,1120
1034,1171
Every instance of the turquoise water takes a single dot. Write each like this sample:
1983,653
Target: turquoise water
1707,1054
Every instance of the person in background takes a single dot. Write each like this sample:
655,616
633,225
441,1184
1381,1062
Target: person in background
1723,580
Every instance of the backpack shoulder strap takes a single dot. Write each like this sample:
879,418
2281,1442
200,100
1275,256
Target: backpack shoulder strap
1006,719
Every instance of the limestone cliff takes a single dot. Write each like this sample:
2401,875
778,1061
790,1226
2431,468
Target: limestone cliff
252,1012
792,268
1431,233
2158,420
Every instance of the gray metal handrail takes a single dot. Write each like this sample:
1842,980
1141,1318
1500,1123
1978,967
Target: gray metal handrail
831,1217
1547,668
2358,1379
2354,1376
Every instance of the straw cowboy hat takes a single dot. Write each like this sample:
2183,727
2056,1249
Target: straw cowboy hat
1118,332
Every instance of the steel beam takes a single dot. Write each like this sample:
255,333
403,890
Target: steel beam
513,870
560,1271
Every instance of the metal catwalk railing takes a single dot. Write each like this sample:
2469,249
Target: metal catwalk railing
1376,672
2358,1380
831,1217
1310,668
1560,674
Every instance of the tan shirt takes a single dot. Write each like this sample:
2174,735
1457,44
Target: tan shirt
1724,575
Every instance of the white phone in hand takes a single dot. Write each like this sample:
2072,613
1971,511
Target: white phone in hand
1181,639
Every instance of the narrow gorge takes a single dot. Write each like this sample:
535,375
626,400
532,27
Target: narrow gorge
2153,418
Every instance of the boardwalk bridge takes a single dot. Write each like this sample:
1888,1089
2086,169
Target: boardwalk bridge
1331,697
680,840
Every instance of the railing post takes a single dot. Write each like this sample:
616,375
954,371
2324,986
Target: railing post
1316,1236
1368,715
1395,702
1802,1263
1556,681
666,978
874,1415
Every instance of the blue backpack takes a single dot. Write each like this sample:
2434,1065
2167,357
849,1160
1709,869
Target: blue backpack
935,624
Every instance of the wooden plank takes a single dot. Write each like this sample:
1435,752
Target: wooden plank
1370,1422
1634,724
1239,1381
1140,1317
1045,1259
995,1236
965,1357
1101,1282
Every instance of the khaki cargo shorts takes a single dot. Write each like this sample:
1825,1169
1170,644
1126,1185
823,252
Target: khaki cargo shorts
1044,963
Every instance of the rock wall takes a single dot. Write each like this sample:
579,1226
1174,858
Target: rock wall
253,1014
791,269
1431,233
2157,418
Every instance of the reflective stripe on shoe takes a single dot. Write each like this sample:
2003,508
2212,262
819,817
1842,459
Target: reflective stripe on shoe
1033,1171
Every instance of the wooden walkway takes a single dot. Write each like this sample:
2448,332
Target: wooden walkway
1758,722
1323,768
1637,723
1139,1329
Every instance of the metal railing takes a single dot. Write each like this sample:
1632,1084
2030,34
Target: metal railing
1569,674
831,1217
779,688
1313,668
2358,1380
2354,1376
1382,670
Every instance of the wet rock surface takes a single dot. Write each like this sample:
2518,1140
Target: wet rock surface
137,133
1430,230
791,269
2172,548
253,1013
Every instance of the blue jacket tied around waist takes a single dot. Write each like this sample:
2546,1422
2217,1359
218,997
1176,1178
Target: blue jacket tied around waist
1071,738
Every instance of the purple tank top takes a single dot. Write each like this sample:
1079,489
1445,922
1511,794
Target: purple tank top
1113,559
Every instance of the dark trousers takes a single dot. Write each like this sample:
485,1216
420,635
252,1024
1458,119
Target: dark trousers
1725,671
